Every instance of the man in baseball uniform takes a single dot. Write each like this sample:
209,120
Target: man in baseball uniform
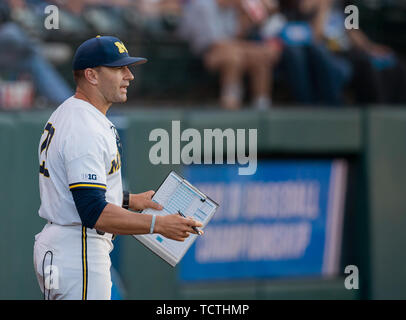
80,181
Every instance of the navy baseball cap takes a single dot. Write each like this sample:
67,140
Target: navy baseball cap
103,51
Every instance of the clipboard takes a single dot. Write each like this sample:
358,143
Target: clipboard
177,194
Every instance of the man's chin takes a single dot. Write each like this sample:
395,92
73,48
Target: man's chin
121,99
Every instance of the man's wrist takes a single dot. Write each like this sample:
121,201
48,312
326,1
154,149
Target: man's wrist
156,225
126,200
152,227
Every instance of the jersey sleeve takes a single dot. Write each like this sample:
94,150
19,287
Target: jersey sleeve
84,157
89,203
86,172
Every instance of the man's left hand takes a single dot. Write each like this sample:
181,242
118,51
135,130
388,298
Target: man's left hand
141,201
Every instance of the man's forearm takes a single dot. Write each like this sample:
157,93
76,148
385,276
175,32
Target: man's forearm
117,220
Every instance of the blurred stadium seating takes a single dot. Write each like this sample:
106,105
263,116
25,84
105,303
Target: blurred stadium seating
148,28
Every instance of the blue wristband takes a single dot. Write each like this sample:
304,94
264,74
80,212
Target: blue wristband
151,230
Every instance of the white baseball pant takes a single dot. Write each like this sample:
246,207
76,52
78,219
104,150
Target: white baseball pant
73,263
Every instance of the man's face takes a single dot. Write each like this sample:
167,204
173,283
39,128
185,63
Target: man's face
113,83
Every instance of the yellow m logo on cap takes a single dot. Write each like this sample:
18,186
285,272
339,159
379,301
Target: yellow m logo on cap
121,47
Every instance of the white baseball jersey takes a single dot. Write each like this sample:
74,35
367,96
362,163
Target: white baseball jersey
77,149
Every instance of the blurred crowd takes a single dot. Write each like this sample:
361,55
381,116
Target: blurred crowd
251,46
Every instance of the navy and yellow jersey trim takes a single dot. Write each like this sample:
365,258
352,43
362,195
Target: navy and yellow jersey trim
78,185
84,264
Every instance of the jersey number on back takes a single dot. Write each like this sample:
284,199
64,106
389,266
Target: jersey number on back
44,146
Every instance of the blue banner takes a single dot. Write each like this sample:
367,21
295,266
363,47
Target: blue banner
283,221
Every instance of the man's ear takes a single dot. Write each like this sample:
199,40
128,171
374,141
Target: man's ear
91,76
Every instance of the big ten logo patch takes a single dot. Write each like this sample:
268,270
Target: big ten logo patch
89,176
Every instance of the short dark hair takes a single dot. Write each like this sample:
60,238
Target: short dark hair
78,75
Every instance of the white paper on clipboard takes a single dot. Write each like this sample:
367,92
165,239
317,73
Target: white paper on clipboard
176,193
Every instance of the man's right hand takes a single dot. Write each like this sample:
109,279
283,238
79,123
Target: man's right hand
175,227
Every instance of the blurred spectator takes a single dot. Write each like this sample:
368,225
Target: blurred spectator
217,31
86,17
314,75
379,76
121,17
78,6
158,16
20,56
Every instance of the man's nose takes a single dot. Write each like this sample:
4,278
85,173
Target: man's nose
128,75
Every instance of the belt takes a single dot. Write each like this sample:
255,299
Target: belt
113,236
102,233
